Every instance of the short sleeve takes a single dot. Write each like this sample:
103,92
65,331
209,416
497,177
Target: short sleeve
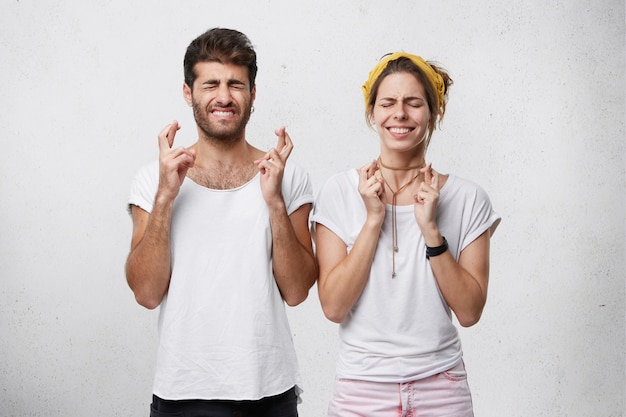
338,206
144,187
297,186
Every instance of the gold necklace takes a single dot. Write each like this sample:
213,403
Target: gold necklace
394,194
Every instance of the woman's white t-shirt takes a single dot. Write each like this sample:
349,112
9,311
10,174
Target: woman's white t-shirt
401,328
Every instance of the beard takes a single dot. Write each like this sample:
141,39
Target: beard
223,131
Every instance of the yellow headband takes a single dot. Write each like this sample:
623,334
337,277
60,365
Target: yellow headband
433,77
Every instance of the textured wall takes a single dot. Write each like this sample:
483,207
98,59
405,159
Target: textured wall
536,116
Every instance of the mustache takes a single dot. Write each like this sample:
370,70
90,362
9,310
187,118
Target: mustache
224,107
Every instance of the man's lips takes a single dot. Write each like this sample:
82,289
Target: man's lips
222,113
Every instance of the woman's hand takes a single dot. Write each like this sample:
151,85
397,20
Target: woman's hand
426,200
372,189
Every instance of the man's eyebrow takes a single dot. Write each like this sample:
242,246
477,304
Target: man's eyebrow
216,81
235,81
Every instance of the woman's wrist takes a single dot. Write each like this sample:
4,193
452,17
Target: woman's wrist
432,237
374,222
436,250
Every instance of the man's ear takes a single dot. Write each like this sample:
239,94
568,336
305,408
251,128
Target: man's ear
187,94
253,95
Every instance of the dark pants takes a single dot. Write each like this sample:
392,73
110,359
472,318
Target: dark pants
282,405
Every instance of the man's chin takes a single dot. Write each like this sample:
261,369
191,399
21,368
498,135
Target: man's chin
226,135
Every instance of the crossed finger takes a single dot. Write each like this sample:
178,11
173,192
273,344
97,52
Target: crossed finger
370,184
166,136
284,145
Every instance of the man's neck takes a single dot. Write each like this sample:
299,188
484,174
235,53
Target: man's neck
221,165
215,151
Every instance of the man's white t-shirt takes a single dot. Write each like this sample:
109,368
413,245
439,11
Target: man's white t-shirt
223,330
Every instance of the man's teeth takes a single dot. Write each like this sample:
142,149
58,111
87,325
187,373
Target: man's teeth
223,113
399,130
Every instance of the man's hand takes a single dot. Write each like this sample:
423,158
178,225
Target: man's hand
272,166
173,162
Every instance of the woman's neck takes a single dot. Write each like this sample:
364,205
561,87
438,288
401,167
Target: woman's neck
397,172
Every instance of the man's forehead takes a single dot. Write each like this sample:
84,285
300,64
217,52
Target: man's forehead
219,71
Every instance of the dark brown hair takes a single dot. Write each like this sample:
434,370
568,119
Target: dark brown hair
226,46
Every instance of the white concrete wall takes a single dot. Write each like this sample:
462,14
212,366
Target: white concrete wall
536,116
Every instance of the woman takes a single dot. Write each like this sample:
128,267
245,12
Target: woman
400,246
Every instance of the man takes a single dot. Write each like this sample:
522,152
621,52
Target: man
220,242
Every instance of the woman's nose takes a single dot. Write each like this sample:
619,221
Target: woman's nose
400,112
